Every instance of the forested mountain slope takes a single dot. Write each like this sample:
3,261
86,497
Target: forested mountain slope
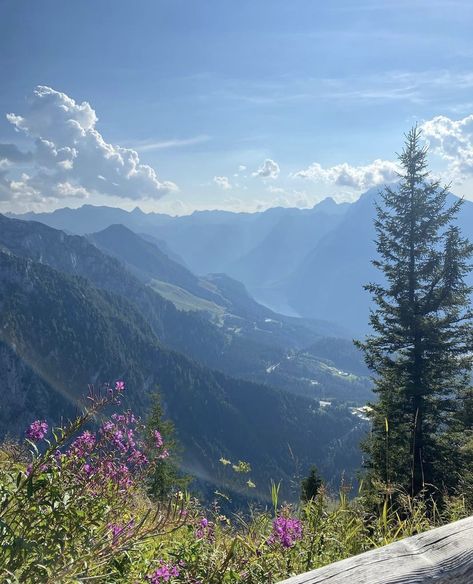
59,333
242,338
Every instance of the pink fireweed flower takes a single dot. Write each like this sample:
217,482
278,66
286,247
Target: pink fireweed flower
119,386
205,529
37,430
41,468
137,458
82,445
286,531
119,452
127,418
158,439
159,443
164,573
119,474
117,530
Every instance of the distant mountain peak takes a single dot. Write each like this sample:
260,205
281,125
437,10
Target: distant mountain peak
118,228
330,206
326,202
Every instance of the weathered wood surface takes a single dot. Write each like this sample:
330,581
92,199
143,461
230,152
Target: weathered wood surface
443,555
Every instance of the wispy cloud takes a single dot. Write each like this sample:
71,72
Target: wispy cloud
148,145
427,86
395,5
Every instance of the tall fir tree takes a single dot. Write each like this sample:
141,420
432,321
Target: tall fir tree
421,341
311,484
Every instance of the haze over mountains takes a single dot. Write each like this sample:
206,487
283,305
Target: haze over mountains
94,293
71,314
307,262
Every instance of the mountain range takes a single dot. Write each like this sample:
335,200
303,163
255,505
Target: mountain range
242,321
310,263
76,310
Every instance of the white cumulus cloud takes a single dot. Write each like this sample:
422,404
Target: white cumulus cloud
269,169
71,158
355,177
453,141
222,182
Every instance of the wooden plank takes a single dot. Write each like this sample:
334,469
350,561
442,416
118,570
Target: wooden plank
441,556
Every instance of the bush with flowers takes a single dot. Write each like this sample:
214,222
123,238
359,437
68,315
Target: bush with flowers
75,506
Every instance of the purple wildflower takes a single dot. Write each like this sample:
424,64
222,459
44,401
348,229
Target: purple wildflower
82,445
40,468
137,458
118,530
119,386
164,573
119,474
37,430
107,427
127,418
286,531
205,530
158,439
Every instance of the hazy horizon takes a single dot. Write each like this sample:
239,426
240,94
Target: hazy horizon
234,107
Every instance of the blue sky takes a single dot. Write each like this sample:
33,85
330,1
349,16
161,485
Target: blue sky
311,98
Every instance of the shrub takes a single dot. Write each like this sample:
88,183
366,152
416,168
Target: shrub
74,507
